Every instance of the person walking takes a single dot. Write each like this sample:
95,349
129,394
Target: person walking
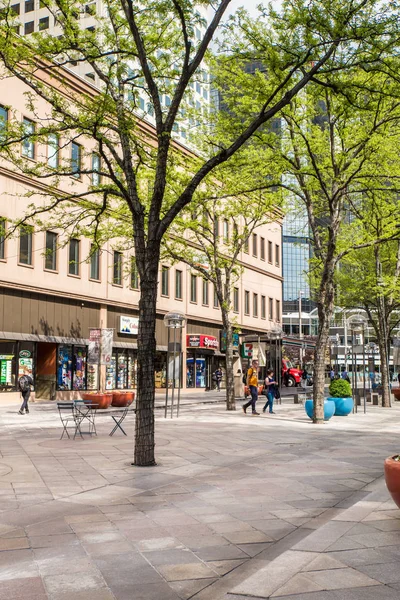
270,386
252,382
24,384
218,378
304,379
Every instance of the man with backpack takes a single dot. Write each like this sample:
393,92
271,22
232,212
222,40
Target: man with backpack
24,384
252,383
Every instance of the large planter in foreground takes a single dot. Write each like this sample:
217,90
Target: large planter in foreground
343,406
103,401
392,477
121,399
329,408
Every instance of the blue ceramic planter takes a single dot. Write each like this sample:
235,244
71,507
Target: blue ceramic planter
343,406
329,408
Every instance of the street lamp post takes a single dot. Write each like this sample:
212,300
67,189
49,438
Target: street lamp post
357,324
174,321
276,333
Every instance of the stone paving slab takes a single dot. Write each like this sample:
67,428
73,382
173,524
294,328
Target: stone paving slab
279,504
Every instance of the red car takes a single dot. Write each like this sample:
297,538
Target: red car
291,376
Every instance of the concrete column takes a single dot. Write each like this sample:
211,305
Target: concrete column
102,325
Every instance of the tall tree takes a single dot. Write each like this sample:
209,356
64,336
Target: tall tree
143,50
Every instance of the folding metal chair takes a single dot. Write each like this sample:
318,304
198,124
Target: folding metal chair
86,409
68,415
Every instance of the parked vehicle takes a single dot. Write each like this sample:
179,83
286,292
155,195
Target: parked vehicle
291,376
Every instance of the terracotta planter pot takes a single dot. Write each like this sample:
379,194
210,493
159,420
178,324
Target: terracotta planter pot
396,393
119,399
130,396
102,400
392,477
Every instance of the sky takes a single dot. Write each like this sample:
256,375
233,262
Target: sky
249,5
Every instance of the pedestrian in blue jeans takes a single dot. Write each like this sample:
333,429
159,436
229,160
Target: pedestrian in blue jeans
252,383
270,387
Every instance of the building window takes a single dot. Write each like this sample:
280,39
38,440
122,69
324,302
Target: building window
29,27
76,158
270,309
96,165
278,310
235,299
178,285
2,238
246,245
94,263
15,9
164,281
50,261
28,145
262,248
277,255
73,263
270,252
263,307
53,148
117,268
216,228
255,305
254,244
205,292
226,230
216,301
193,288
43,23
29,5
25,245
247,303
3,122
134,274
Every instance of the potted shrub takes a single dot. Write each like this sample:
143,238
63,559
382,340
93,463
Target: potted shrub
392,477
340,394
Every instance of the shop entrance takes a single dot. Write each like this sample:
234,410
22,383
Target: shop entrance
46,361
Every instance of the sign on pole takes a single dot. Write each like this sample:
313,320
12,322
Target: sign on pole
106,346
94,346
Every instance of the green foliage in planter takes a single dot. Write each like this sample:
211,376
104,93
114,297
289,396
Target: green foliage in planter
340,388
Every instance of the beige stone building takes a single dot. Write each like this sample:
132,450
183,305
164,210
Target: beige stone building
52,294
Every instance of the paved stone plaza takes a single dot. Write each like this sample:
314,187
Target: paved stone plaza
238,507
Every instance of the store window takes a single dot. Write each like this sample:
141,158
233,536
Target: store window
8,350
236,299
121,372
196,371
117,268
25,245
50,262
71,367
73,262
160,370
28,145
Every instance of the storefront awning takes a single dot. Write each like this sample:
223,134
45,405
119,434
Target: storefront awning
35,337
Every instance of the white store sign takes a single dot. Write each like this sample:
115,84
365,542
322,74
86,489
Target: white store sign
128,325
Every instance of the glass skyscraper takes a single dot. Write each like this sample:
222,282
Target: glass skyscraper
296,252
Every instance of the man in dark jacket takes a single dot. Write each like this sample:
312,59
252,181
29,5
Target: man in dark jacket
24,384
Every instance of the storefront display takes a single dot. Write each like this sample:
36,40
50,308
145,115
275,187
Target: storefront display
64,368
160,369
79,373
111,373
200,353
6,370
25,363
122,371
132,366
92,377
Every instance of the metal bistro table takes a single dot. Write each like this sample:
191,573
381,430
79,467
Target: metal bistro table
118,415
86,410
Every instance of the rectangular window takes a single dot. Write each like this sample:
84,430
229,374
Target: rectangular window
205,292
29,5
270,252
43,23
277,255
3,122
164,281
216,301
278,310
247,303
246,246
226,230
193,288
28,145
262,248
29,27
134,274
255,305
50,261
15,9
76,158
255,244
96,179
270,309
94,263
2,238
216,228
53,148
117,268
235,299
263,307
178,285
73,262
25,245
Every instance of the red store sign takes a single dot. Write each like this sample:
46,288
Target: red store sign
202,341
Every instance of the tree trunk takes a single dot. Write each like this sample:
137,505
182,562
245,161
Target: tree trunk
230,383
144,427
383,351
